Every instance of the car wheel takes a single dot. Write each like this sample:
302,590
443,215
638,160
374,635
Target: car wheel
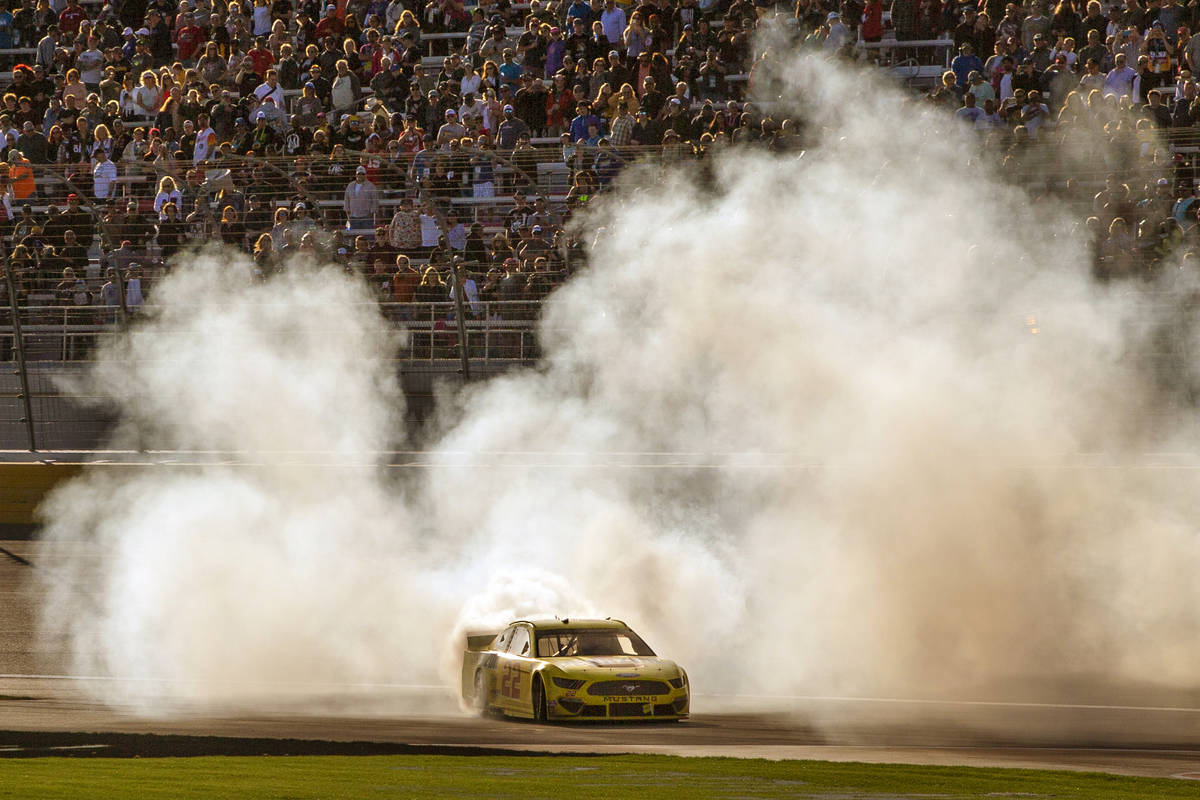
539,701
481,698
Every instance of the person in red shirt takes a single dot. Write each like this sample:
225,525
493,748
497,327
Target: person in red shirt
261,57
189,37
872,26
71,16
331,24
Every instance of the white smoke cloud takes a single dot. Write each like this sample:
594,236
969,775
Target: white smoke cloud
799,433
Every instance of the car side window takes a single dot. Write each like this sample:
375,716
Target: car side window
519,643
502,641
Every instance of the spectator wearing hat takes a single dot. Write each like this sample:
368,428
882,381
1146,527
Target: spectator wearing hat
450,130
1041,54
330,26
161,46
837,36
262,139
982,90
964,64
46,48
361,201
1037,22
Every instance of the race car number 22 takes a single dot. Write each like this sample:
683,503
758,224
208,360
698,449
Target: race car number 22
510,681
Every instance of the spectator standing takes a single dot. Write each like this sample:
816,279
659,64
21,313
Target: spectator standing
104,177
511,129
1034,24
1119,81
271,88
361,202
405,228
964,64
614,23
346,88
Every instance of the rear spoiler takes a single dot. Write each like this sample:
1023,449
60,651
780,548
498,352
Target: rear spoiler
480,640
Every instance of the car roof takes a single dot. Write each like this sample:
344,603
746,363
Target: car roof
573,624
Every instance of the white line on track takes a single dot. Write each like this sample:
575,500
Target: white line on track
415,687
926,701
439,688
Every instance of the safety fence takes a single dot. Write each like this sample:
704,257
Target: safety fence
45,349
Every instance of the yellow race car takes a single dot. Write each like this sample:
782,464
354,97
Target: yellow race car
562,669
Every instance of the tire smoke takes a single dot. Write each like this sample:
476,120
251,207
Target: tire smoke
801,433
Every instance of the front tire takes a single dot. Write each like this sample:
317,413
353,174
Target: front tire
539,701
481,698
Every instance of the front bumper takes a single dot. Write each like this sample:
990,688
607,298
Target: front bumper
563,705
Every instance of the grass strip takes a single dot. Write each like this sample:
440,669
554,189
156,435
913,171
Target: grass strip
304,777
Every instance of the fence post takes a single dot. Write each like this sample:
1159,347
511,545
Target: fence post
19,348
459,278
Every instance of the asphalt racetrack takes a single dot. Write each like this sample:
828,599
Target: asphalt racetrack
1127,730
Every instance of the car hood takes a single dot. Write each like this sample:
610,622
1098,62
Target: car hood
617,666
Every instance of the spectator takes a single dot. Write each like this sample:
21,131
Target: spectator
613,21
133,289
964,64
103,176
361,202
511,129
1119,81
346,89
171,232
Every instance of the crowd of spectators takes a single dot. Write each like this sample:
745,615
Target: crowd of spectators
1103,98
403,137
348,129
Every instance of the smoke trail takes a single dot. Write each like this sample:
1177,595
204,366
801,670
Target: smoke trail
879,487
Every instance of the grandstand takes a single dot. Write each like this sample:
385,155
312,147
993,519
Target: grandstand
425,145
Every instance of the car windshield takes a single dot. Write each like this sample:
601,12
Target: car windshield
601,642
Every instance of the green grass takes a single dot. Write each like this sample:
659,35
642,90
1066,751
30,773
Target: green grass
293,778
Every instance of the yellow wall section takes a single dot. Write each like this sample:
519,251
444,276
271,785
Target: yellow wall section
23,485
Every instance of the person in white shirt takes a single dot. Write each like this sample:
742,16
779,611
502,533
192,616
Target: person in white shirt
148,97
261,16
270,88
206,140
969,113
168,192
470,290
133,289
429,228
990,118
104,176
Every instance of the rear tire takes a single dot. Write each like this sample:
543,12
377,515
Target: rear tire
481,698
539,701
